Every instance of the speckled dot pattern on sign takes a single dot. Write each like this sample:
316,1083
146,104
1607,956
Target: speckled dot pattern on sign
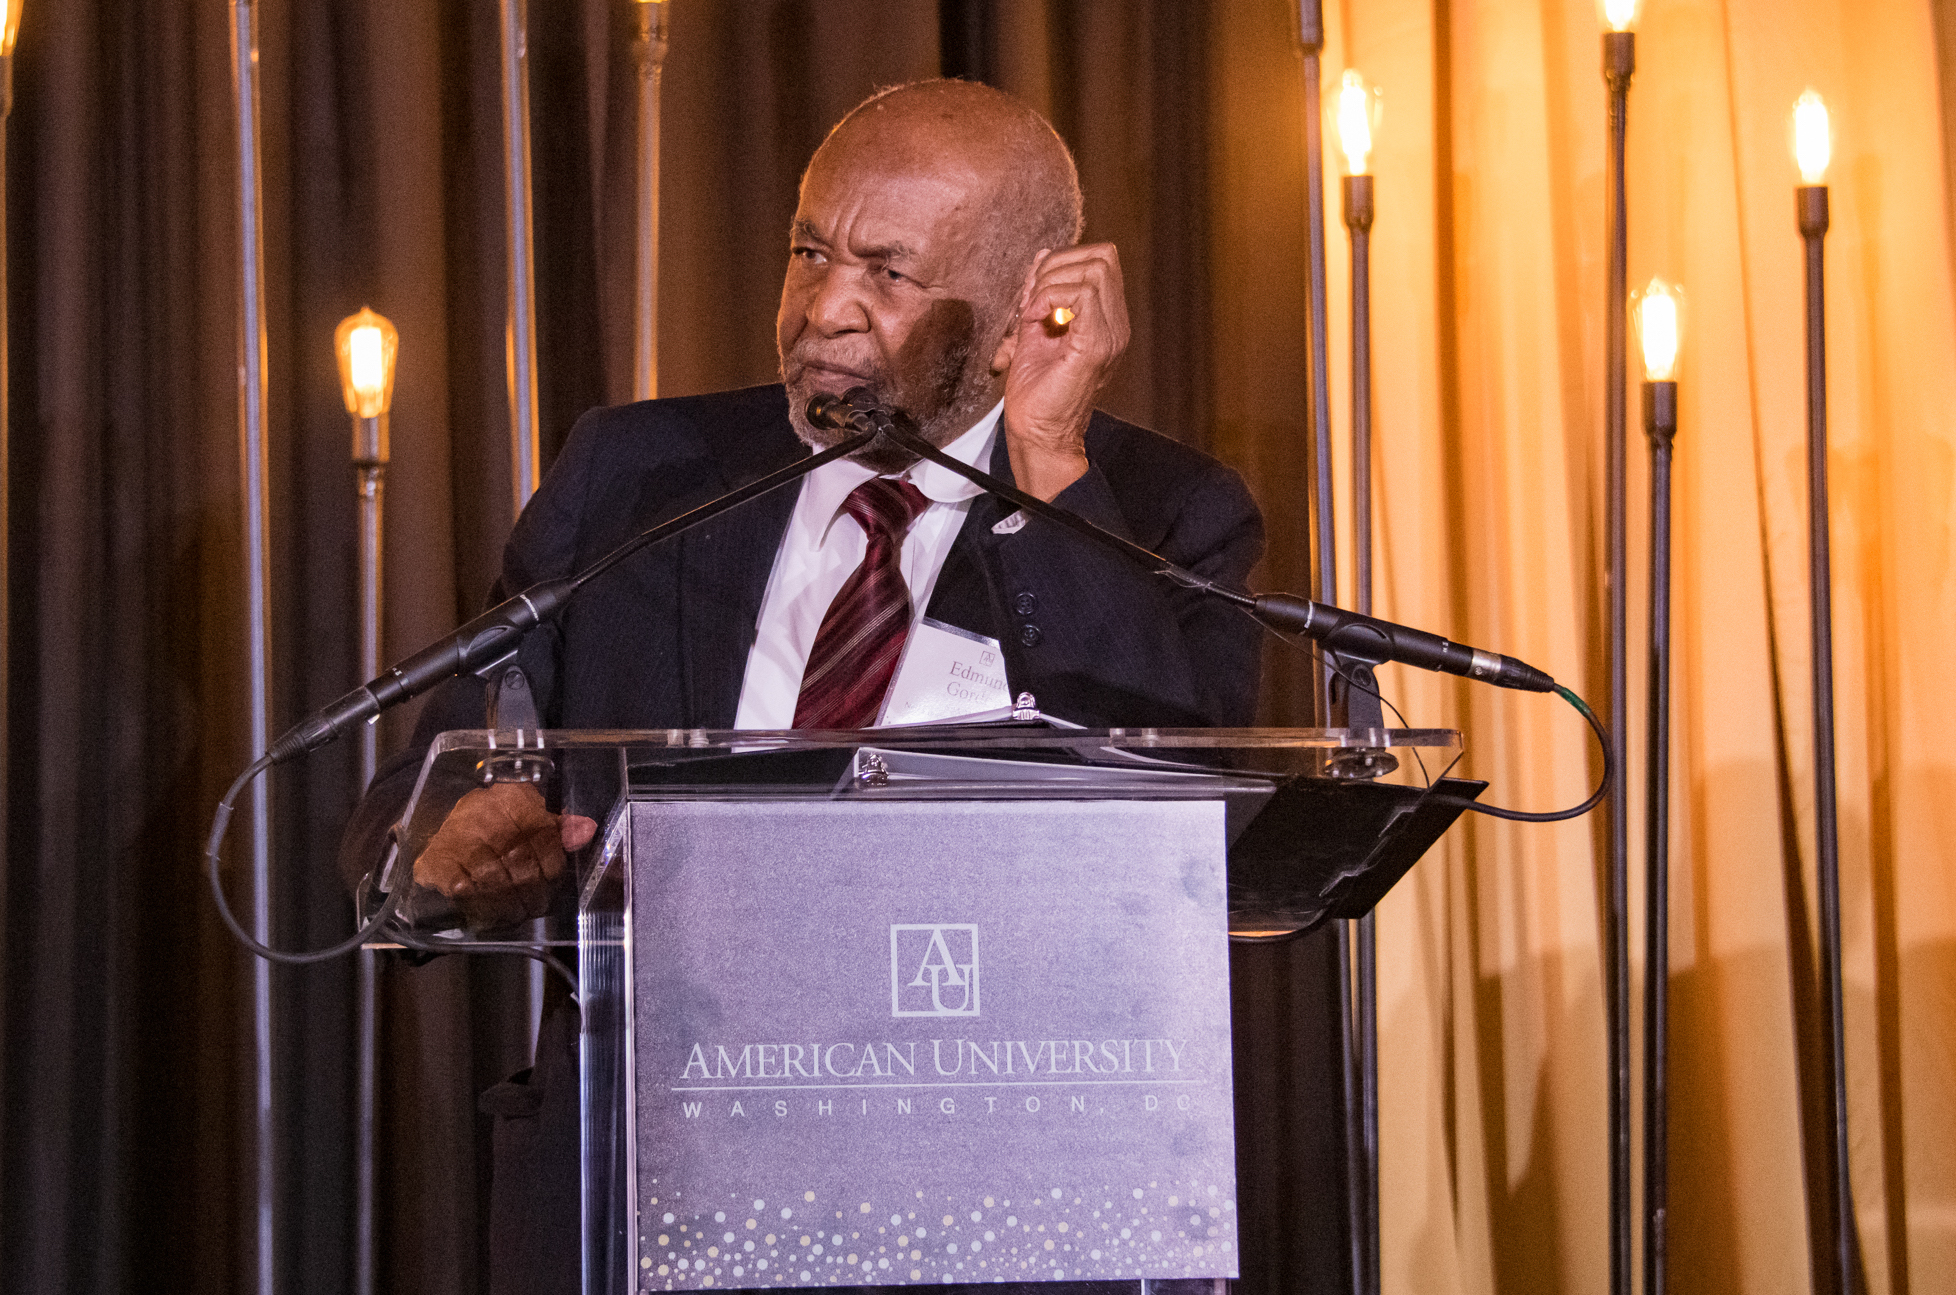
940,1239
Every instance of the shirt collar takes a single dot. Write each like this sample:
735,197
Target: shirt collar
973,448
827,486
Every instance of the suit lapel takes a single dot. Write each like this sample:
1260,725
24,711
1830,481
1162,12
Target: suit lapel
967,593
724,569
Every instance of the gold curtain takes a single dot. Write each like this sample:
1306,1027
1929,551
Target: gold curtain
1488,297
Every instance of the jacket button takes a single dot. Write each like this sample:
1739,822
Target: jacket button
1025,604
1029,635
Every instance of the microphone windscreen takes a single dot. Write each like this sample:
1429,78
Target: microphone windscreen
830,412
851,411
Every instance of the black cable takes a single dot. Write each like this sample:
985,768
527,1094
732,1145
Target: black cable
220,826
213,850
522,949
1497,811
1560,815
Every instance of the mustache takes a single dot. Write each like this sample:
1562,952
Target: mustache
801,358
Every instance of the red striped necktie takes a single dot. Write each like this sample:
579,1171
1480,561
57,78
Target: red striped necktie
856,650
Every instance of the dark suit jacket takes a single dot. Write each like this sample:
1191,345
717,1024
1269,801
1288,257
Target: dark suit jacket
662,642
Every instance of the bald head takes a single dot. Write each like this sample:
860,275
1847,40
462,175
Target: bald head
1013,160
919,222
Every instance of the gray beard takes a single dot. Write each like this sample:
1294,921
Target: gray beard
956,391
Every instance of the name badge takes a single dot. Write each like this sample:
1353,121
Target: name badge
946,673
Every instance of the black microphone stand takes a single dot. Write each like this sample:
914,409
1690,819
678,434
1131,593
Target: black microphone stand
491,638
479,647
1345,636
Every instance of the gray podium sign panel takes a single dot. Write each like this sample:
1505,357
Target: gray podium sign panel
917,1042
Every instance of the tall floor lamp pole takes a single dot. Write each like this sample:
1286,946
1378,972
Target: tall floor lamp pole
1657,324
1357,115
654,17
367,345
1619,65
524,446
254,452
1310,33
520,254
9,33
1813,148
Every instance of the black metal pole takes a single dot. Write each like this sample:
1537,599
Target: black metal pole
254,455
1660,424
1619,65
370,455
1813,214
6,594
1310,30
1358,220
1312,27
652,41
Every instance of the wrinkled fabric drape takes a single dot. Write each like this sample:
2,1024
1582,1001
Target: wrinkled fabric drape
1489,261
124,1148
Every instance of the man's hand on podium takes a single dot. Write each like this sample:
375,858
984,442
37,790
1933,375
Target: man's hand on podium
499,852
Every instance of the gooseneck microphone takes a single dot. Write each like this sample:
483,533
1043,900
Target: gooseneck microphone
1351,636
1373,641
481,643
492,637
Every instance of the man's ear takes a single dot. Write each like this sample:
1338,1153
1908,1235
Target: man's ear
1008,346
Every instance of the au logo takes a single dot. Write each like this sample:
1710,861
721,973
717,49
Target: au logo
933,970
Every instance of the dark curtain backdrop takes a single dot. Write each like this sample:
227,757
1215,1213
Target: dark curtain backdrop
125,1155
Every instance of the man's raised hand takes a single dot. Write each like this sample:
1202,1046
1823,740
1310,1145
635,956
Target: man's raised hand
1054,371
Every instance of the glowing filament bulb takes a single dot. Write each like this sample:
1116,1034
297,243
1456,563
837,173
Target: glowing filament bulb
368,378
1813,140
367,344
1355,110
1657,325
1619,14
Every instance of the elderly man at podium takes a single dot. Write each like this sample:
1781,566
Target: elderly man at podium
935,259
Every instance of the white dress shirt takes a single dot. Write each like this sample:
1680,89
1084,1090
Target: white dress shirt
824,545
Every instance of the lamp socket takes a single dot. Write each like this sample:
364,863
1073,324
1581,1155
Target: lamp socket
1811,202
1619,59
1660,409
1358,202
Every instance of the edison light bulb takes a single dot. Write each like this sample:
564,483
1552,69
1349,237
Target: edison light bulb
367,345
1813,140
367,367
1619,14
1357,112
1657,326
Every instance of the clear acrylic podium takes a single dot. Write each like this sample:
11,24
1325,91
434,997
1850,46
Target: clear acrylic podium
1315,824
